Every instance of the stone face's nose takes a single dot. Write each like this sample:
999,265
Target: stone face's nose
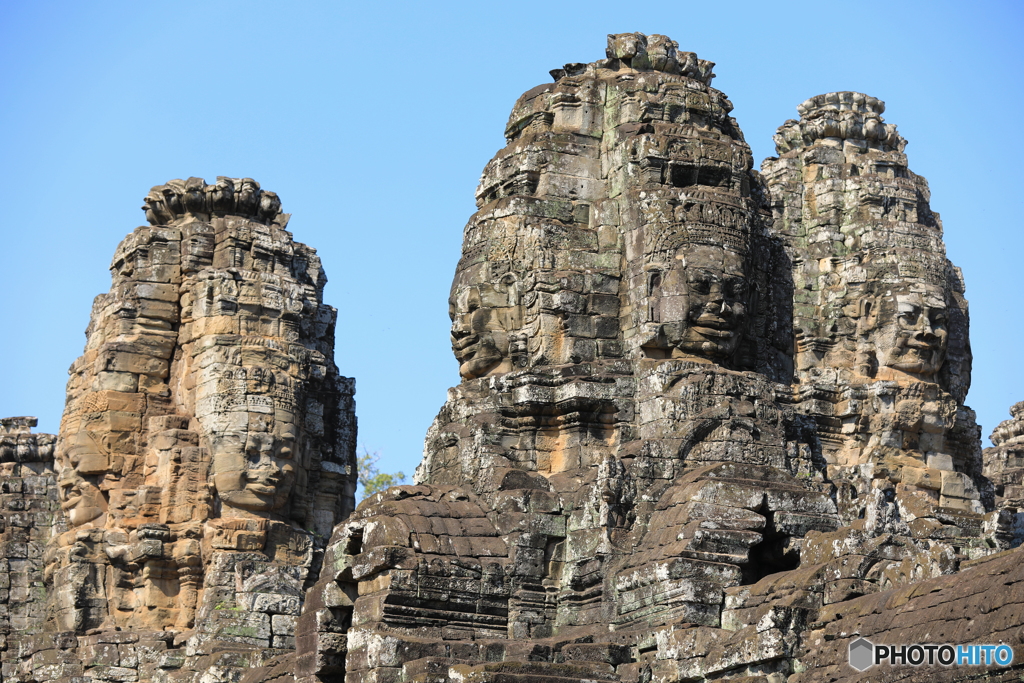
462,328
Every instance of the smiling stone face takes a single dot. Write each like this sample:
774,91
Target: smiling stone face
477,335
485,320
81,500
257,474
716,301
914,337
247,413
698,303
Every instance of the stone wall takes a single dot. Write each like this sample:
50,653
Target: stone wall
30,515
1004,466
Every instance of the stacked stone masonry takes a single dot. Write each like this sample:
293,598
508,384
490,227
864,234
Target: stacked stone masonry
710,426
206,452
30,515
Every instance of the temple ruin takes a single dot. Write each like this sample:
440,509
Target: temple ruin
709,426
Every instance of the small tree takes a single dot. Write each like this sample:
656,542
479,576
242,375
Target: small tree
371,479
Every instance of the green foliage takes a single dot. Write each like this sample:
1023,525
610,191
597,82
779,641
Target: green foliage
371,479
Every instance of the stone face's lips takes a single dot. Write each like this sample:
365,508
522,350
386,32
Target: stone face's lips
461,344
711,331
712,324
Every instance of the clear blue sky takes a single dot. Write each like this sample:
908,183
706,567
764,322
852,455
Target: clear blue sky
372,121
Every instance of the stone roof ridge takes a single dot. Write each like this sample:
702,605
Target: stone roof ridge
178,199
642,52
17,425
18,443
1011,431
835,117
846,100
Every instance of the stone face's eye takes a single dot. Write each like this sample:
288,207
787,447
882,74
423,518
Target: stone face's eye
736,288
909,317
700,284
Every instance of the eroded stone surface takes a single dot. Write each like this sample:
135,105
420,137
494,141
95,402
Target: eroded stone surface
30,515
1004,466
207,446
698,407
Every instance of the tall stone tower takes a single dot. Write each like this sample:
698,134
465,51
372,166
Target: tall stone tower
645,473
206,422
883,359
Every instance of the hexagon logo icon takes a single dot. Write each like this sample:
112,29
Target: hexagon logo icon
862,654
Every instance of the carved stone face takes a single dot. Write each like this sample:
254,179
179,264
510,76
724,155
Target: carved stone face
270,205
626,45
252,434
484,320
86,455
708,314
156,209
81,500
246,196
912,335
257,474
85,460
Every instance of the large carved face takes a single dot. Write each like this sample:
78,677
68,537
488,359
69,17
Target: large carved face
85,460
485,319
912,330
81,500
87,455
255,471
707,315
252,431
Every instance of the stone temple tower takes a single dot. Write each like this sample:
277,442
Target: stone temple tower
205,421
709,426
668,414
